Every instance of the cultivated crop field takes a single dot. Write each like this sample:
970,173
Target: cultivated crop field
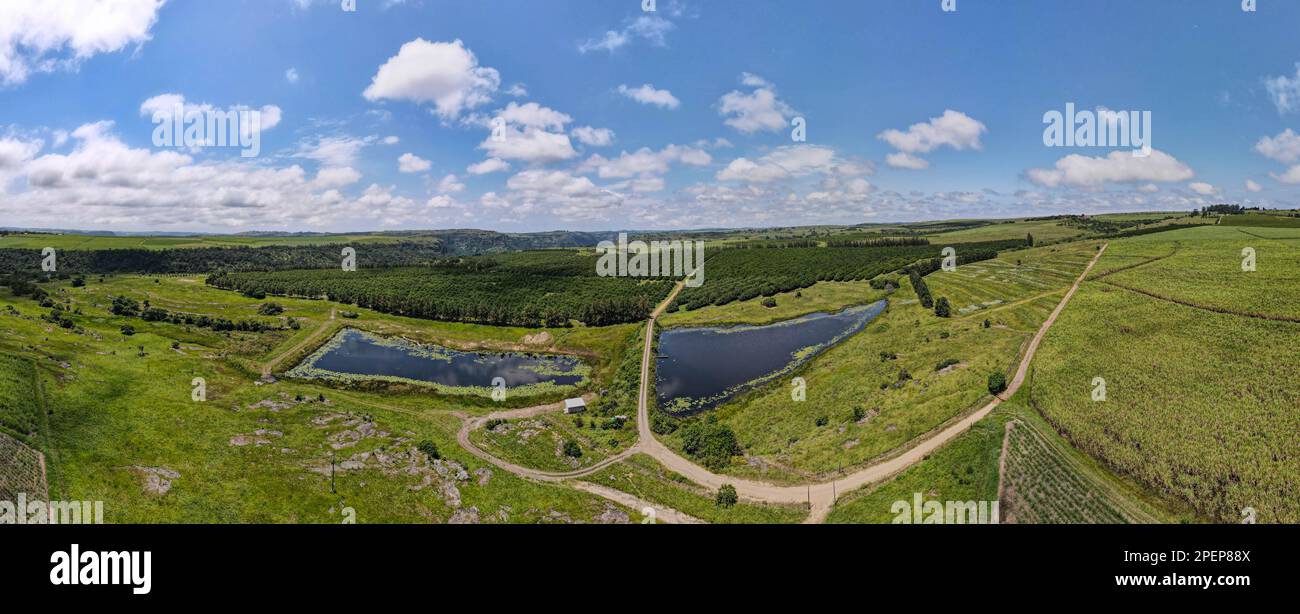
1203,267
1200,406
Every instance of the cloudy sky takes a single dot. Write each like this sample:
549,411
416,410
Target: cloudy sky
523,115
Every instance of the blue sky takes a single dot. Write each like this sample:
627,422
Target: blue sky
613,117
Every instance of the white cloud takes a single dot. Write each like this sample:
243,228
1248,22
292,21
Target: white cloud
565,195
411,163
291,75
392,140
1202,188
1291,176
791,162
446,75
759,110
1285,147
594,137
1117,167
104,182
491,165
517,90
952,129
333,151
337,177
647,94
530,145
164,107
533,115
651,28
14,152
645,162
1284,91
450,184
1251,186
50,35
1148,188
906,160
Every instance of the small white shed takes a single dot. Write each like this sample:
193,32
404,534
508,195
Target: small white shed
574,406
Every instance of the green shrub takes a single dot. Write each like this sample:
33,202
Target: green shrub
997,383
726,497
430,449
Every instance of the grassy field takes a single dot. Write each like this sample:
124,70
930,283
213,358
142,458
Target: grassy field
1043,231
1260,220
643,477
20,410
538,442
964,470
1200,405
1203,267
125,429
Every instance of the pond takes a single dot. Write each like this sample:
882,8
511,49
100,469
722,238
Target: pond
700,368
355,355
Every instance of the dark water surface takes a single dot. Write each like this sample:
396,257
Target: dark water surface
357,353
706,366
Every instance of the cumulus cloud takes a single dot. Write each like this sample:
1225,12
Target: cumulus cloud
899,159
491,165
1202,188
291,75
650,28
450,184
1291,176
953,129
594,137
411,163
647,94
1251,186
525,132
446,75
104,182
165,107
1117,167
563,194
1284,148
644,162
791,162
756,111
45,36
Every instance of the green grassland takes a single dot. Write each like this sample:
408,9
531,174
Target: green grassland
123,420
781,437
964,470
1043,231
21,414
1200,405
643,477
1261,220
538,442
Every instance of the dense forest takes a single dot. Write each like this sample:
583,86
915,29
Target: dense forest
743,274
209,259
539,288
